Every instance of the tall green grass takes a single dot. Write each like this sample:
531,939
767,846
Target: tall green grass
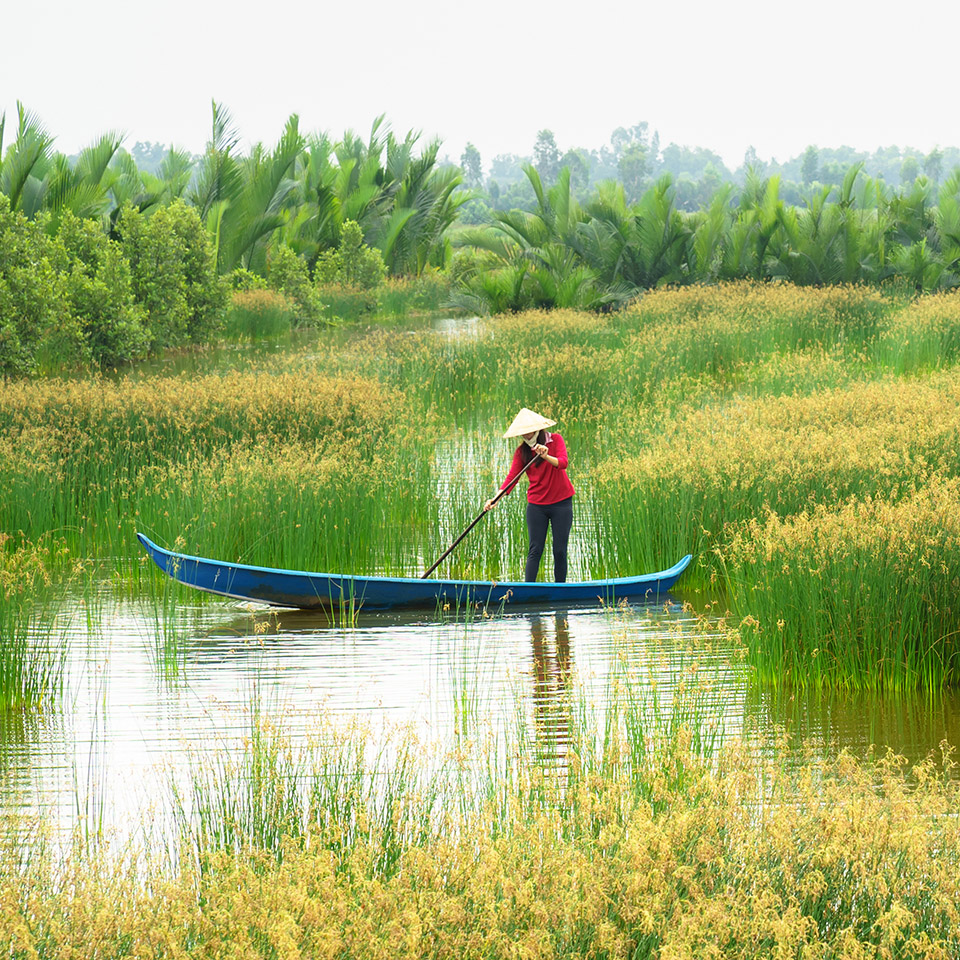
862,595
33,644
688,415
258,315
32,654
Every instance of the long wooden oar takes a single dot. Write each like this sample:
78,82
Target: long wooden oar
481,515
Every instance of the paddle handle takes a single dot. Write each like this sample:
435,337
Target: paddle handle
479,517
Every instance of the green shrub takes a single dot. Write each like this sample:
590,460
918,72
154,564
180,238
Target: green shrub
353,263
36,325
174,273
288,274
99,290
244,279
467,262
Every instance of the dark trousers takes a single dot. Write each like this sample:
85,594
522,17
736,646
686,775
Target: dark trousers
539,517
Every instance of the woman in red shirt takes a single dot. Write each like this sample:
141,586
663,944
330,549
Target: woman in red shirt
550,494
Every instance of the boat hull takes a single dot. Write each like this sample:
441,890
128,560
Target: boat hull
310,591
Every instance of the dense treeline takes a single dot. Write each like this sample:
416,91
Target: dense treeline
77,295
103,260
299,194
606,251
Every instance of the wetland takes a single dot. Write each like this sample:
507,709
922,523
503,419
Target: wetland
237,780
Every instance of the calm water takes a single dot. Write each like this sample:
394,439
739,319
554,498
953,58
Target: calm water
134,721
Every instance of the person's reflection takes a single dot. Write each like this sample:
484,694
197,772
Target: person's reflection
551,688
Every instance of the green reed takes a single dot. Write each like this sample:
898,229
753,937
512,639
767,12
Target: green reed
33,644
258,315
687,415
32,654
343,788
652,837
862,595
840,859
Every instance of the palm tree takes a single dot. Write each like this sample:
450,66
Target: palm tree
635,248
947,219
403,202
425,200
26,163
314,218
242,201
82,187
711,229
754,226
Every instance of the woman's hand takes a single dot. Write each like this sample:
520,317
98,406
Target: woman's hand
540,449
487,506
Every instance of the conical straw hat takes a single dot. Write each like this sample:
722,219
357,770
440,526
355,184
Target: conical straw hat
526,421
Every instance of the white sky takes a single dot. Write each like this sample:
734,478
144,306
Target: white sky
778,75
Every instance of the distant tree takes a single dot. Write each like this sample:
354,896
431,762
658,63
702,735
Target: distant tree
692,161
472,167
693,194
633,169
909,171
148,156
885,162
578,163
518,195
951,158
507,168
933,164
624,137
474,211
832,172
752,161
603,164
809,166
653,154
546,156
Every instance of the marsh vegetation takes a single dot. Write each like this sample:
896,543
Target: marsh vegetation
612,791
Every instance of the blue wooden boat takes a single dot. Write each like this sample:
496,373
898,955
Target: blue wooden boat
297,588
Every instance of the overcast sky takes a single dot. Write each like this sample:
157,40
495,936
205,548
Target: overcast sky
722,75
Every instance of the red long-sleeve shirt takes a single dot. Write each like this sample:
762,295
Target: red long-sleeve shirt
548,484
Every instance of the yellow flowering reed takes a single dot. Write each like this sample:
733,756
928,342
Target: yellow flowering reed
711,466
866,594
693,411
93,459
737,858
924,334
258,313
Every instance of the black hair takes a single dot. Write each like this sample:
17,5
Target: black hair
526,453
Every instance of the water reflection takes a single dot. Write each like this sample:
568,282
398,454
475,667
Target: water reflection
145,693
552,686
19,732
826,722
